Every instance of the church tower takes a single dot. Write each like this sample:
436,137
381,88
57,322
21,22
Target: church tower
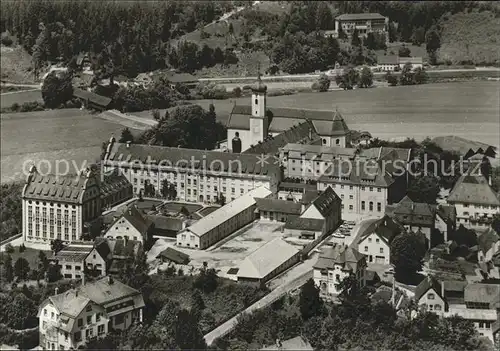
258,121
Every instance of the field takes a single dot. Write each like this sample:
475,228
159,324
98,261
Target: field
15,65
230,252
7,99
67,135
471,37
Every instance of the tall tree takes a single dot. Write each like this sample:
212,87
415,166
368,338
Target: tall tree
8,269
188,334
433,43
355,40
56,245
407,254
21,268
310,303
57,88
126,136
365,78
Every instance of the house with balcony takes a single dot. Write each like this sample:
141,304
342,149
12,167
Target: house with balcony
79,257
69,320
334,265
364,23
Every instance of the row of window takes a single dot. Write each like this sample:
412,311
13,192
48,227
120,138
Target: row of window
50,204
381,249
363,206
484,207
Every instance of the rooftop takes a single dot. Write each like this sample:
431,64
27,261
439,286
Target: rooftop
227,211
106,290
473,190
384,227
359,16
186,159
276,205
113,182
173,255
266,259
136,219
364,173
482,293
425,285
299,223
295,344
487,239
92,97
409,212
73,253
348,257
327,202
328,123
317,152
69,303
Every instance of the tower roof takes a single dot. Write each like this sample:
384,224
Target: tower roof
259,86
339,126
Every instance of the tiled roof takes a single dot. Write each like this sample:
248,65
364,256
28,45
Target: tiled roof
295,344
136,219
68,188
70,302
266,259
174,256
301,133
281,119
309,196
73,253
227,211
447,212
487,239
182,159
92,97
483,293
387,60
428,283
454,285
414,213
359,16
317,152
326,202
299,186
412,60
339,126
113,182
348,257
473,190
103,291
102,248
384,227
276,205
166,223
364,173
299,223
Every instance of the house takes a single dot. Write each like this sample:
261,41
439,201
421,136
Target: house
198,175
294,191
489,245
276,209
294,344
388,63
69,320
268,261
415,62
181,78
334,265
223,221
131,225
305,228
363,23
172,255
253,123
115,189
429,295
56,207
325,207
75,259
90,100
424,217
376,237
164,226
475,201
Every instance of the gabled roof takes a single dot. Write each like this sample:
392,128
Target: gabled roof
112,183
92,97
359,16
106,290
348,257
136,219
339,126
70,302
415,213
412,60
181,158
276,205
302,133
102,248
473,190
173,255
260,263
483,293
73,253
295,344
227,211
425,285
387,60
327,202
386,228
166,223
308,224
281,119
447,212
309,196
487,239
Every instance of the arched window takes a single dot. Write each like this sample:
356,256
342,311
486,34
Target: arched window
324,141
371,206
337,141
256,101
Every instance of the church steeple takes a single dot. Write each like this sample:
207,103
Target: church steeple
258,120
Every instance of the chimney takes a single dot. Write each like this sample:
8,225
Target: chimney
128,144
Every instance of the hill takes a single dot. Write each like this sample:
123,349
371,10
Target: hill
471,38
15,65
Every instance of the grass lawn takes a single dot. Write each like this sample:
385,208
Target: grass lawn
176,207
6,100
207,210
31,255
147,204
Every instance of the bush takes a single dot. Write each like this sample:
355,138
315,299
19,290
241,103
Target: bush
6,40
237,92
14,106
31,106
9,248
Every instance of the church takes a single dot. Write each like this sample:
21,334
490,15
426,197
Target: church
248,126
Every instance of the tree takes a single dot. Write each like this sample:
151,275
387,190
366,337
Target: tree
420,76
404,51
22,248
184,211
9,248
197,304
418,36
188,335
425,189
53,273
56,245
355,40
433,43
8,269
323,83
206,281
165,188
21,268
43,263
155,114
126,136
310,303
407,76
366,78
57,89
407,253
348,79
230,29
464,236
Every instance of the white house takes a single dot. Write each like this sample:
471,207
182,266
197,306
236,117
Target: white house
334,265
429,294
69,320
489,245
74,259
132,225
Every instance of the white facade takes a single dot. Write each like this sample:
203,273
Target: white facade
123,229
432,302
478,212
376,249
328,280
